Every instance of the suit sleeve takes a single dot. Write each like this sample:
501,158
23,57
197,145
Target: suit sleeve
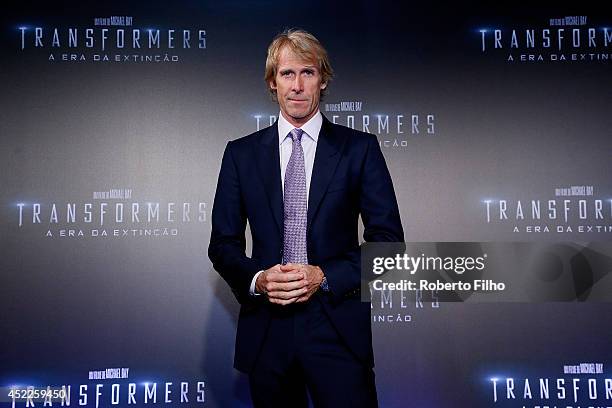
227,241
381,220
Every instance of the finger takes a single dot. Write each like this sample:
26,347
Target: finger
276,268
285,277
286,295
304,298
290,267
286,286
282,301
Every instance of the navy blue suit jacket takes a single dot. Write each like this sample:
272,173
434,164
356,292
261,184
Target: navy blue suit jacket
349,179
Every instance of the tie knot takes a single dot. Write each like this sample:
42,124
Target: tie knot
296,134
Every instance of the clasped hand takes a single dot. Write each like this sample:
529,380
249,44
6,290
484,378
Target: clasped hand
290,283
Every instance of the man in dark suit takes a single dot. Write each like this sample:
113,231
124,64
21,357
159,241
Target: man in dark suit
302,184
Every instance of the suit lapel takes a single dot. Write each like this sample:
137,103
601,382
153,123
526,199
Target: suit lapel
268,164
326,160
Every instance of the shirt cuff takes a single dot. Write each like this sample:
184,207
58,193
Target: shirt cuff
252,288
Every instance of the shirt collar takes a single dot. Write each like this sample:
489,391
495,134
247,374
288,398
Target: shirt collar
312,128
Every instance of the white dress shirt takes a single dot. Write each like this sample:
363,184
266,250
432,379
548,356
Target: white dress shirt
311,129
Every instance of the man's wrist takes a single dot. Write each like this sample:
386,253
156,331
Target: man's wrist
323,285
253,289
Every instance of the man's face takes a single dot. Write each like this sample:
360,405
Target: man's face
298,87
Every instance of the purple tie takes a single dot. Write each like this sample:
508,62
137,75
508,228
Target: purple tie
296,206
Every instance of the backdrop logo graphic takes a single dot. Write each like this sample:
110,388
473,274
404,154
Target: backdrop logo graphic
111,39
397,306
583,384
572,209
107,387
110,214
394,130
564,39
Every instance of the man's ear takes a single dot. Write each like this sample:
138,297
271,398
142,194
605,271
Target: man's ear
323,85
272,84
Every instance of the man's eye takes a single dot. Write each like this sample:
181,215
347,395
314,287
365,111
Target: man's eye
309,72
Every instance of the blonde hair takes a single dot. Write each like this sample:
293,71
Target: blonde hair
304,45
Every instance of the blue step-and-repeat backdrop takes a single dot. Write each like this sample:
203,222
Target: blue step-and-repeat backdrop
496,127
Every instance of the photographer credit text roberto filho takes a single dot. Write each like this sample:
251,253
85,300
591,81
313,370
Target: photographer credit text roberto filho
412,264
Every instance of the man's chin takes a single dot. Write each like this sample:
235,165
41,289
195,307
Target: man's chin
297,115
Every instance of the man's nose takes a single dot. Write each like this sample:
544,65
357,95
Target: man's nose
298,84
